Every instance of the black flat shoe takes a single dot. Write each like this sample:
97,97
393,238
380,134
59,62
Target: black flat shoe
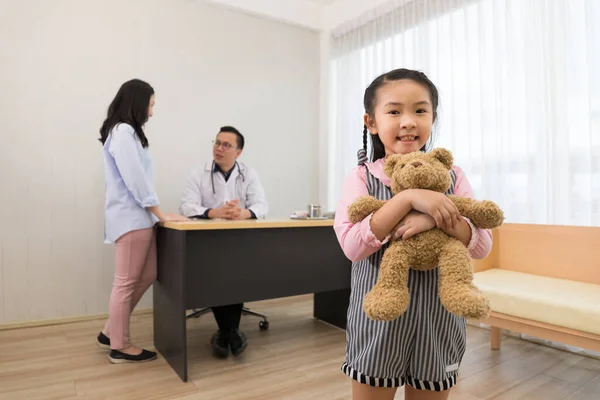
238,342
220,344
117,357
103,341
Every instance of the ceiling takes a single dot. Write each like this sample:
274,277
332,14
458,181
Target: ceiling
326,2
311,14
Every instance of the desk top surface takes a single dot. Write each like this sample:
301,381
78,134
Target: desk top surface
199,225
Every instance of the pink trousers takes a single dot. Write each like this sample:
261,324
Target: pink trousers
135,271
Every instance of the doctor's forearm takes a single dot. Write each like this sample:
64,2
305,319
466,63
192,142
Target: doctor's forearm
192,209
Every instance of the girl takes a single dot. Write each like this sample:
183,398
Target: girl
424,347
131,211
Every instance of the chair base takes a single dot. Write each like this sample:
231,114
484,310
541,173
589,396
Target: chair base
263,325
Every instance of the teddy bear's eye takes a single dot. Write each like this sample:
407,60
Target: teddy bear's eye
402,165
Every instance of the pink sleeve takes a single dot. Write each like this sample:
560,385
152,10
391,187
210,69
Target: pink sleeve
357,240
481,239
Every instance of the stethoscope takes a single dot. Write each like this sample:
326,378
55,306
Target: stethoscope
212,175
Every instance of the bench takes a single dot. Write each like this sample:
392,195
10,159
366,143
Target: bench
543,281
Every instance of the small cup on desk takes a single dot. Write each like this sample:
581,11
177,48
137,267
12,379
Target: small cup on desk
315,211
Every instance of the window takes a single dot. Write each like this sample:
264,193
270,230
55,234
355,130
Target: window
519,96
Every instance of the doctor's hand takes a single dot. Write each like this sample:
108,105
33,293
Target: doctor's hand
236,212
231,210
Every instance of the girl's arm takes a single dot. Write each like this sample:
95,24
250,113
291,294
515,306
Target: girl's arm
364,238
478,241
387,217
462,231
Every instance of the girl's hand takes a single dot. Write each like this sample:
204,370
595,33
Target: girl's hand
414,223
437,205
174,218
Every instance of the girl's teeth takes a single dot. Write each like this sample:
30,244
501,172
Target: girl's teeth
407,138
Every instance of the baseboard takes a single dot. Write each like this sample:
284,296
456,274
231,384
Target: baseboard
61,321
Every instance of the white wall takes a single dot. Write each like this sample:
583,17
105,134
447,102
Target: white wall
328,19
62,62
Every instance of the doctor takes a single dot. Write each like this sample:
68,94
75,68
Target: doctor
225,189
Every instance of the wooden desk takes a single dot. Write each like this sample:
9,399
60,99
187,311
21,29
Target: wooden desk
212,263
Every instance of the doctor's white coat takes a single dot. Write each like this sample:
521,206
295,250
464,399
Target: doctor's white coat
205,188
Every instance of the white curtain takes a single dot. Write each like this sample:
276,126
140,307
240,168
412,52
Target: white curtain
519,84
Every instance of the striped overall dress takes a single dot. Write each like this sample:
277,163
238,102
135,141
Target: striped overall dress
423,347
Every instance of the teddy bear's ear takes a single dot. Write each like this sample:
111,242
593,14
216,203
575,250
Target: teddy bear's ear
390,164
444,156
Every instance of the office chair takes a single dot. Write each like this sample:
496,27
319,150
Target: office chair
262,325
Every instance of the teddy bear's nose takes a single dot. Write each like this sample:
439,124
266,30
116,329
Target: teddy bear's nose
416,164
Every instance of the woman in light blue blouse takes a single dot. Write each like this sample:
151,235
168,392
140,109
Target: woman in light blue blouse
131,212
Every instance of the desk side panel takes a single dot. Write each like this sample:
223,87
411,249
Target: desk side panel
169,300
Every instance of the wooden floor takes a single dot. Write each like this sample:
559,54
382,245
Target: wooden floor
298,358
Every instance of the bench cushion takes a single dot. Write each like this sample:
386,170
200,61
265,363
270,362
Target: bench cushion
568,304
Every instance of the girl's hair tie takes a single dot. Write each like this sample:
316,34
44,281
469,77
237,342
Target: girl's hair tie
362,156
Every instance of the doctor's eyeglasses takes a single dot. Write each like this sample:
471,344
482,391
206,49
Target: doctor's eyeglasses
218,143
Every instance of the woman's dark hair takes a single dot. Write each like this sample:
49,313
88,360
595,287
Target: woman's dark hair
370,98
129,106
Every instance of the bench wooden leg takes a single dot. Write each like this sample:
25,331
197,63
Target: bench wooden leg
495,338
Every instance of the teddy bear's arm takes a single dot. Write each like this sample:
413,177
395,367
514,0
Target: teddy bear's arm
483,214
362,207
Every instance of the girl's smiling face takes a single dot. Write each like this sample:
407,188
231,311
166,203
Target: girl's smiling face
403,116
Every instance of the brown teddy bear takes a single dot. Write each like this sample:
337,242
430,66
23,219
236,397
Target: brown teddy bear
389,298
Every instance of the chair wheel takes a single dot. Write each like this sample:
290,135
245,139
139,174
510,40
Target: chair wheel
263,325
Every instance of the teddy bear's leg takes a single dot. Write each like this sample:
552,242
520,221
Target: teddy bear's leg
362,207
389,297
457,292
